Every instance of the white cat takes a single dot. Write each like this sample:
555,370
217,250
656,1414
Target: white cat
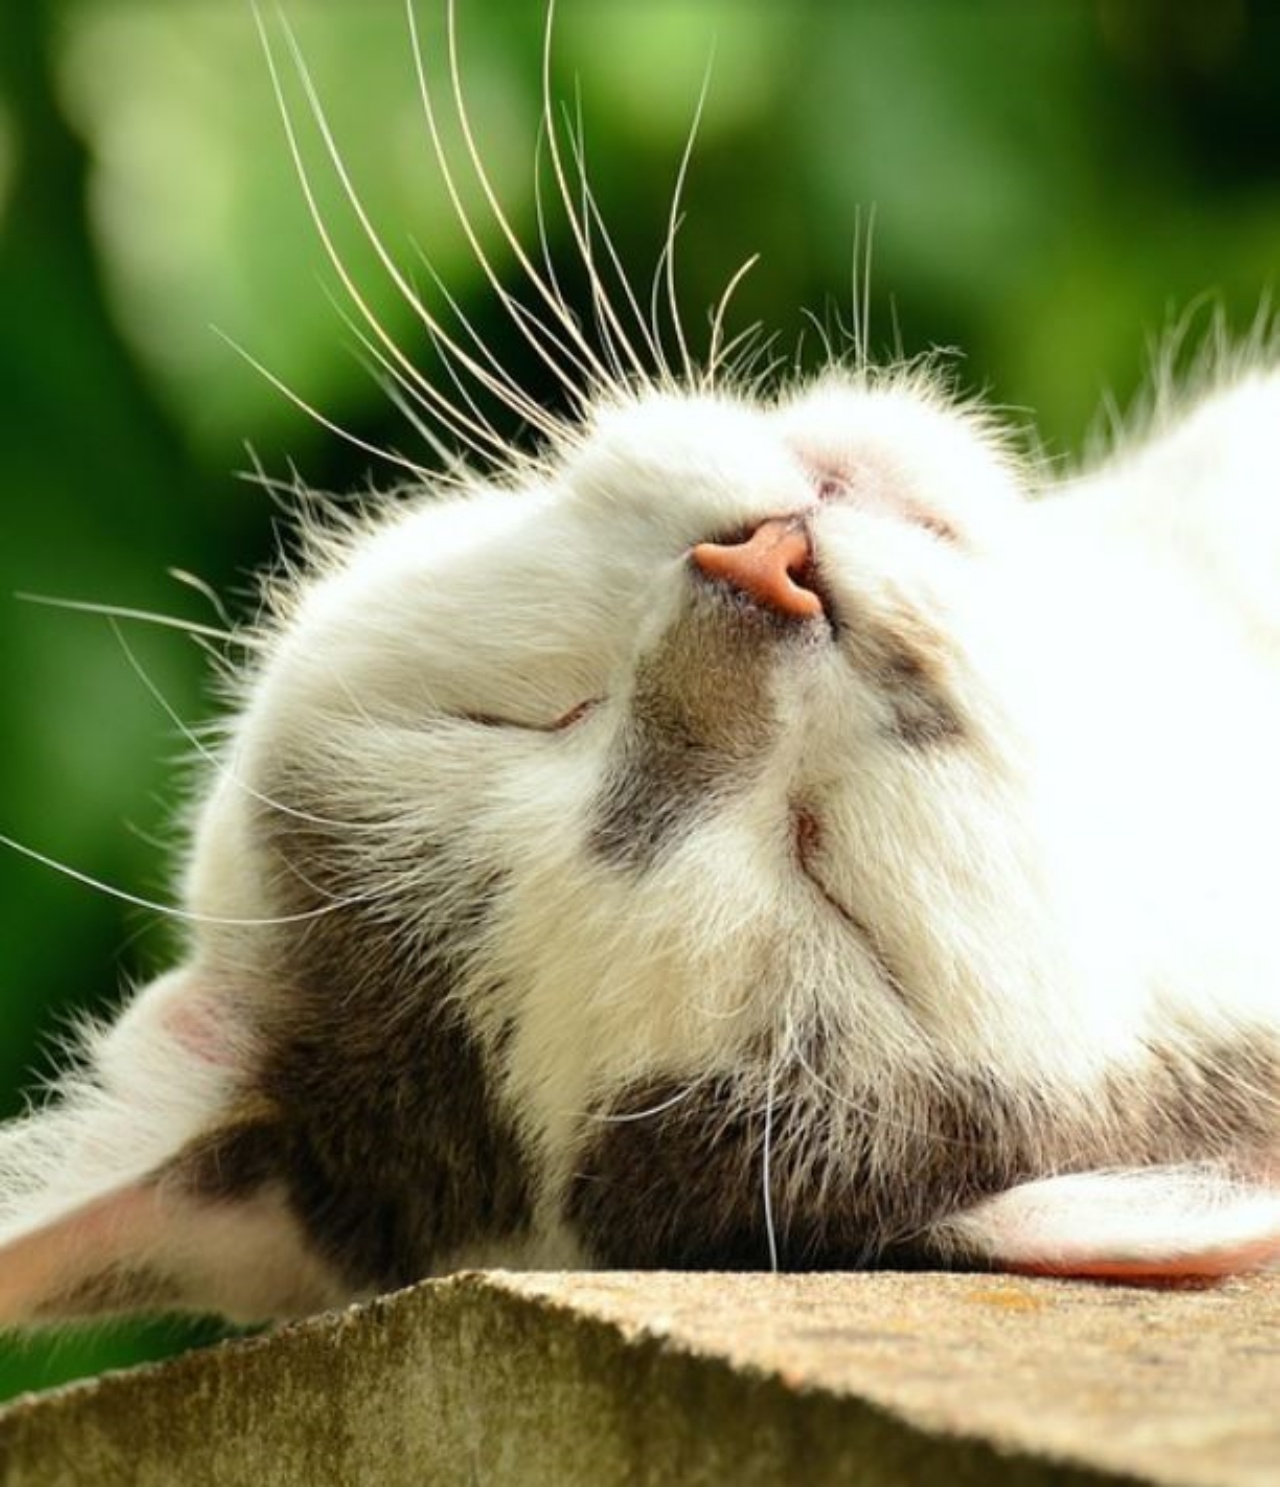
754,831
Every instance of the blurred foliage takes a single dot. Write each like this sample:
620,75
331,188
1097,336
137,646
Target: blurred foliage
1053,185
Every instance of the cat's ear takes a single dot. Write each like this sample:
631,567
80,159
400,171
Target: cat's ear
1158,1226
150,1182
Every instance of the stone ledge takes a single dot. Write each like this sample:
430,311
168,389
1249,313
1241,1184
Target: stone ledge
658,1379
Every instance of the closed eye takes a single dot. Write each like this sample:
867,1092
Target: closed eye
558,725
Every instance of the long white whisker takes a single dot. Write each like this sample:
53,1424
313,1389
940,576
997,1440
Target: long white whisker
620,367
766,1165
454,417
864,334
409,388
544,246
546,421
387,456
592,213
716,352
745,351
205,590
502,386
145,616
590,364
599,294
861,290
168,910
824,336
578,351
580,237
669,1104
673,218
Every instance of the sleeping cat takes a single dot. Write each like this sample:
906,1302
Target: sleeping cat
751,830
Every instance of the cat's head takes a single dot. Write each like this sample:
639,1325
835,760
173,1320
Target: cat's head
669,758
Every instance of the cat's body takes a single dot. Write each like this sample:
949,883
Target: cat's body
752,833
565,896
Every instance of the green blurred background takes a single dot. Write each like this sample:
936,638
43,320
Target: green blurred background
1054,185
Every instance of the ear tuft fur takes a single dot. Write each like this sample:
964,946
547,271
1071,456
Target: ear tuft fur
95,1215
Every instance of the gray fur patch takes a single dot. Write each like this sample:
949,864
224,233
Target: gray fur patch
374,1103
857,1176
702,716
908,663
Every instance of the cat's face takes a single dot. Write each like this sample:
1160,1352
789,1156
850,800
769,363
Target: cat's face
546,681
652,825
673,803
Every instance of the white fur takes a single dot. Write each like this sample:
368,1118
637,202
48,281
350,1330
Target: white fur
1093,868
1090,872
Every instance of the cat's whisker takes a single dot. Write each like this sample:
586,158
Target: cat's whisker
610,1118
590,363
673,219
408,396
145,616
823,333
545,342
611,349
599,295
206,591
766,1163
547,423
224,768
716,352
751,368
619,370
289,497
591,213
551,278
387,456
170,911
404,392
477,436
501,385
858,332
393,390
583,362
864,330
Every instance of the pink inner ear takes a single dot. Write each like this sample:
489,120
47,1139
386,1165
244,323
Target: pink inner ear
196,1016
106,1233
199,1030
1156,1227
245,1258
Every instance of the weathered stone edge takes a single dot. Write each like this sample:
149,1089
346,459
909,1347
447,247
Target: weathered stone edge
467,1379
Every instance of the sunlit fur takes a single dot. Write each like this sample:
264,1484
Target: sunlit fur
1084,873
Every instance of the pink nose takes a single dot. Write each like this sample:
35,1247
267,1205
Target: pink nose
764,566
